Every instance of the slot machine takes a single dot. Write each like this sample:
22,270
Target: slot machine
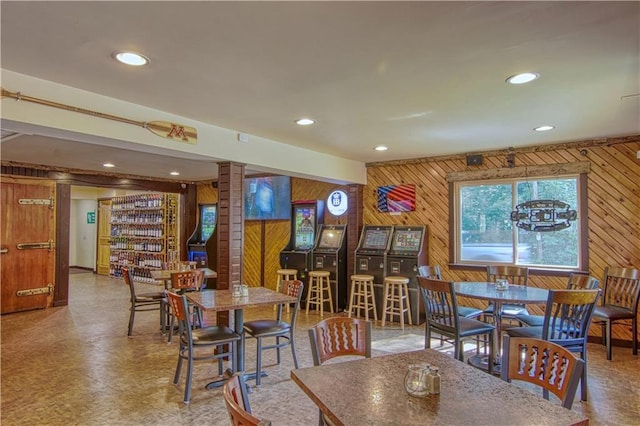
330,254
202,245
409,250
306,217
371,256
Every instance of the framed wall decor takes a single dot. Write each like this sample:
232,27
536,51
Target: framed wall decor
397,198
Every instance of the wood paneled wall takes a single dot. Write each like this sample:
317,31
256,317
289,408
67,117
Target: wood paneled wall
613,202
263,240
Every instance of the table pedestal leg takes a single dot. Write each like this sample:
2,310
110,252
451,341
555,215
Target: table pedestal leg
482,361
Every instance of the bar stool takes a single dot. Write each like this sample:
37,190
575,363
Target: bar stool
396,299
319,283
362,296
285,275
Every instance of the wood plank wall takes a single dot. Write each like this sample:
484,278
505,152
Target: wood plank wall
613,199
267,238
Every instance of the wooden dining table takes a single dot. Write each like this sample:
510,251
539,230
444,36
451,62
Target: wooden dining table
515,294
371,392
224,300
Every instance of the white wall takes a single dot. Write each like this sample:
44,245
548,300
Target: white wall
83,235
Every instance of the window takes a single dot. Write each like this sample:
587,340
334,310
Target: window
485,234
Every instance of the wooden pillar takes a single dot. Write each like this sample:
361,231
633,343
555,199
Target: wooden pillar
354,224
230,228
230,224
63,219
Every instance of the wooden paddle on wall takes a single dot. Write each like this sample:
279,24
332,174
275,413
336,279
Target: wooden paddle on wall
163,129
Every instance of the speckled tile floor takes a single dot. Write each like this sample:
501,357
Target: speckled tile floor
75,365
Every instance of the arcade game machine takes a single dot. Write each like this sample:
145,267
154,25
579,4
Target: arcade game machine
202,245
409,250
371,256
330,254
306,217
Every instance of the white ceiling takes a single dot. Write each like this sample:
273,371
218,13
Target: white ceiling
424,78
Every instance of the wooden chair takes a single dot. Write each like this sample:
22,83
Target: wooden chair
184,281
435,273
543,363
207,343
566,322
143,302
276,328
234,392
516,275
336,337
575,282
442,316
619,303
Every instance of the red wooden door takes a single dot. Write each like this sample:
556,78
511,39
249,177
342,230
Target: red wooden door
27,244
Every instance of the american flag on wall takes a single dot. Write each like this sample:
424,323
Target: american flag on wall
397,198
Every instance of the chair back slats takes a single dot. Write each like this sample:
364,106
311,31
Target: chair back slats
516,275
187,280
582,281
544,364
291,288
430,271
570,313
440,303
621,287
236,399
179,307
340,336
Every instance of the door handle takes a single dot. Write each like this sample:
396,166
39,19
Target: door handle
4,251
44,245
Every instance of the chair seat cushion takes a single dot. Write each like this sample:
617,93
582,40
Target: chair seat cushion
469,327
261,328
469,312
214,334
612,312
531,320
534,331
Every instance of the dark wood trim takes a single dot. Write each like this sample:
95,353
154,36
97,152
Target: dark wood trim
538,148
188,217
583,211
63,218
452,224
354,224
580,167
263,251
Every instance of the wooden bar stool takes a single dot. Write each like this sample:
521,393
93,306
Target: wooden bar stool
319,283
362,296
285,275
396,299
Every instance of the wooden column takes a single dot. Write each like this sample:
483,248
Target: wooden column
354,225
63,220
230,228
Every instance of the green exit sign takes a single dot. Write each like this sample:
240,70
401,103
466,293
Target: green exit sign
91,217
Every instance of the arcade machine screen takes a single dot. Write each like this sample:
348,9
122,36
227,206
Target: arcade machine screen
305,222
330,239
376,239
207,222
406,241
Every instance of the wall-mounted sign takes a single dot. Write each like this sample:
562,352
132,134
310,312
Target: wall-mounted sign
337,203
91,217
397,198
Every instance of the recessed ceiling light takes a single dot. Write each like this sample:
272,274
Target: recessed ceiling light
305,121
175,173
544,128
381,148
108,165
131,58
525,77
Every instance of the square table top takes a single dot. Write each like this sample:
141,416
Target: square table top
224,300
371,392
